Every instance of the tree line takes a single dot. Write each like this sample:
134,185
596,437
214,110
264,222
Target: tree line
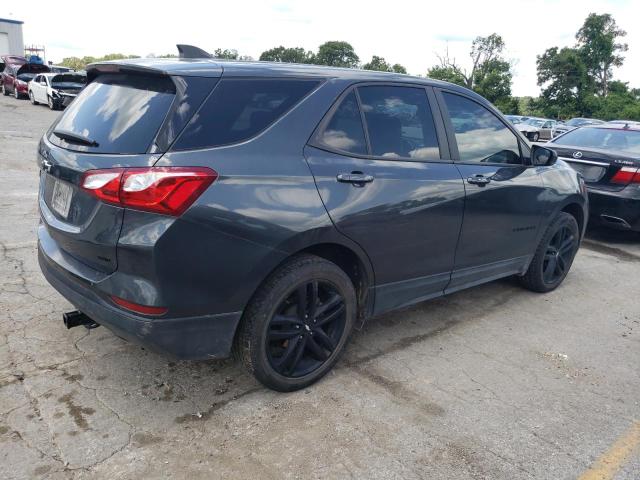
574,81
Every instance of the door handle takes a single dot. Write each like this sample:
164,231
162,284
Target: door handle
354,178
479,180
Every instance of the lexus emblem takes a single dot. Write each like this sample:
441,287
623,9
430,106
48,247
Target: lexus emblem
577,154
46,166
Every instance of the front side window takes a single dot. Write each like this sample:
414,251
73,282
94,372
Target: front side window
480,135
399,122
344,131
239,109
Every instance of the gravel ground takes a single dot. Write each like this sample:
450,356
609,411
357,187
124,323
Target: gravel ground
492,383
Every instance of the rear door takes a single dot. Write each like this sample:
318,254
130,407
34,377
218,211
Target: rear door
607,158
502,210
383,169
114,122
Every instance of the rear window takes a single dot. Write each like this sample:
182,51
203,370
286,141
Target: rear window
120,113
239,109
605,138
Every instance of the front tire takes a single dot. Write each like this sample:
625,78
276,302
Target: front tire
297,325
51,103
554,255
16,94
535,137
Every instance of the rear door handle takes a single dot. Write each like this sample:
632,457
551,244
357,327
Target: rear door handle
479,180
354,177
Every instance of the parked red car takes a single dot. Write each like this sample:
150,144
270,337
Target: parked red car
17,74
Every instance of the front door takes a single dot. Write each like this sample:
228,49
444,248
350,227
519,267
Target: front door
382,167
502,211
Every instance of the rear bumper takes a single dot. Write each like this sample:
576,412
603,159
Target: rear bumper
189,338
616,209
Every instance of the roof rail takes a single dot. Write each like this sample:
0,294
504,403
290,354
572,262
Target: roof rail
189,51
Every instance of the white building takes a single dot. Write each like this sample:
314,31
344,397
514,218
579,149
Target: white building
11,41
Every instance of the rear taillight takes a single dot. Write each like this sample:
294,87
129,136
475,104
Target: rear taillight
626,175
166,190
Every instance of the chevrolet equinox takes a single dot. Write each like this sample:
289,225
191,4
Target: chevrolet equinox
195,205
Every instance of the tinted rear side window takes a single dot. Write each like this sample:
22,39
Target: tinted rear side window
399,122
344,131
121,113
239,109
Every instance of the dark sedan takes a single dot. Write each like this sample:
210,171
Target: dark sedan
608,156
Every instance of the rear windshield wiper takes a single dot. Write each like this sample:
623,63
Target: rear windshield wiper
75,138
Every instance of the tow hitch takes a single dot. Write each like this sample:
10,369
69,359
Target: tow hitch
76,318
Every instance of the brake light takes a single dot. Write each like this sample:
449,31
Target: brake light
626,175
134,307
166,190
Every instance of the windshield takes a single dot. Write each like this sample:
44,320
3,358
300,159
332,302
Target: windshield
26,77
627,141
69,79
535,122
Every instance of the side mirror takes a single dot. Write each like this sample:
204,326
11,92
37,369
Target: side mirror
543,157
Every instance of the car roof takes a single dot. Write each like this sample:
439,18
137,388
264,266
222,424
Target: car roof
210,67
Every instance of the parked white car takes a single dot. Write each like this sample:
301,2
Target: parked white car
56,89
537,128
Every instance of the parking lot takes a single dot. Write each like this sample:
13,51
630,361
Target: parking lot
490,383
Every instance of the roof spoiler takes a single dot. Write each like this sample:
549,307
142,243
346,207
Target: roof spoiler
189,51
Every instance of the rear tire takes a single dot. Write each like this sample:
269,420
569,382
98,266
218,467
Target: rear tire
554,255
32,98
297,325
4,91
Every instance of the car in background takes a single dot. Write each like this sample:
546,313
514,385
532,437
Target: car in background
57,90
574,123
189,204
608,157
16,78
60,69
536,129
514,119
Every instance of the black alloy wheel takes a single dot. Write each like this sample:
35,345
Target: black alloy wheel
305,329
298,323
554,256
559,255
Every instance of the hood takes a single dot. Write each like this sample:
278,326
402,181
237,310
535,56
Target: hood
523,127
32,68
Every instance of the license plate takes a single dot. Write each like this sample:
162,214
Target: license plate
61,198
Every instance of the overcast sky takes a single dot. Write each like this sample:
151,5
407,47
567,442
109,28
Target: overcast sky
406,32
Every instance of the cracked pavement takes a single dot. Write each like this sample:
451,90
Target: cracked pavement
492,383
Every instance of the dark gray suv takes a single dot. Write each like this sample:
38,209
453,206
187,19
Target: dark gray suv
192,205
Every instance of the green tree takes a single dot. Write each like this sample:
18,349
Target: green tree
287,55
490,74
599,47
77,63
447,74
226,54
379,64
565,81
337,54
